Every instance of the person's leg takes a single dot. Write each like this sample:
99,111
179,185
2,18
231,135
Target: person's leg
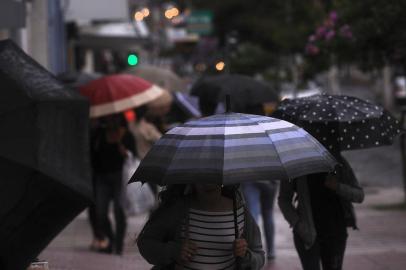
267,198
119,214
103,197
309,258
332,251
98,237
251,195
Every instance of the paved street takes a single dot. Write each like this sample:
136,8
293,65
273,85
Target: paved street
380,244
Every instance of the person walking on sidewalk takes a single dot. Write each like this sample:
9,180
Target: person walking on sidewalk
324,211
193,227
260,197
109,149
146,134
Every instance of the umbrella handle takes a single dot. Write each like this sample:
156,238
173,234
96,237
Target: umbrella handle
228,103
236,231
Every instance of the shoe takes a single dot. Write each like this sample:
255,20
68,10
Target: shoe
105,247
98,244
118,250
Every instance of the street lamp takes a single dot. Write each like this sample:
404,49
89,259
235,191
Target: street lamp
145,12
138,16
171,13
141,14
220,66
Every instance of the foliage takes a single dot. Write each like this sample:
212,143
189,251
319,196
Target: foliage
328,44
275,28
249,58
379,30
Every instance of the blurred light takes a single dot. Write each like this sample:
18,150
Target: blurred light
132,59
220,66
138,16
168,14
145,12
171,13
175,12
129,115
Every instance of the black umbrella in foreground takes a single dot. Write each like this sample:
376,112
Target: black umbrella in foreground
341,122
44,167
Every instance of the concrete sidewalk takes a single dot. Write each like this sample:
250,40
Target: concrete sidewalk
380,244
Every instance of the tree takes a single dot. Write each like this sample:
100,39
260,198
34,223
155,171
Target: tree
379,30
277,28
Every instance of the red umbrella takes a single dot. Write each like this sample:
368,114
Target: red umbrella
117,93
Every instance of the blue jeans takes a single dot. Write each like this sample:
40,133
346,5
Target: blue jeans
260,197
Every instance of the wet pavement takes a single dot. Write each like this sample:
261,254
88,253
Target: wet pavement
380,244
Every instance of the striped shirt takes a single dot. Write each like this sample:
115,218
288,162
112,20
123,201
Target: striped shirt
214,235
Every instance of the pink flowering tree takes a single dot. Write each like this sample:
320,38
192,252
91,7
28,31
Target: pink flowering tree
328,44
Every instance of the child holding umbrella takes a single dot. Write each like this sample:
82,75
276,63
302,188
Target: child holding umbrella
194,228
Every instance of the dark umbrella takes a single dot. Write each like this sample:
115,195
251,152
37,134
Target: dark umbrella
244,91
44,166
341,122
76,79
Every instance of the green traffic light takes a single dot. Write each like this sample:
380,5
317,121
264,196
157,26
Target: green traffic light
132,59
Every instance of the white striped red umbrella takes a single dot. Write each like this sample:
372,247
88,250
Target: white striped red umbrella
117,93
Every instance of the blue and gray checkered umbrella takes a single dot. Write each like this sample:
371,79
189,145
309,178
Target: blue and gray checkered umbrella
233,148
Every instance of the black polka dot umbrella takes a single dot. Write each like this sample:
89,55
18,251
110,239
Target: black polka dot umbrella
341,122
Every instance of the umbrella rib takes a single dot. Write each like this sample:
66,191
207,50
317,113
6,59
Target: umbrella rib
173,156
273,145
224,150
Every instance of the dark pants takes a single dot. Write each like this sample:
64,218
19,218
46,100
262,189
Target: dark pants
93,222
327,250
92,216
109,188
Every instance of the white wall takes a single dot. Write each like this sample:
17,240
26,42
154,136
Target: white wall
37,31
86,10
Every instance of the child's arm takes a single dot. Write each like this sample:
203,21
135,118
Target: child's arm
152,242
255,256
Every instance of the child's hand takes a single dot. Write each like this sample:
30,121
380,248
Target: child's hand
240,247
187,251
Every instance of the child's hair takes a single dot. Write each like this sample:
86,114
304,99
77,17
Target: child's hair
171,193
